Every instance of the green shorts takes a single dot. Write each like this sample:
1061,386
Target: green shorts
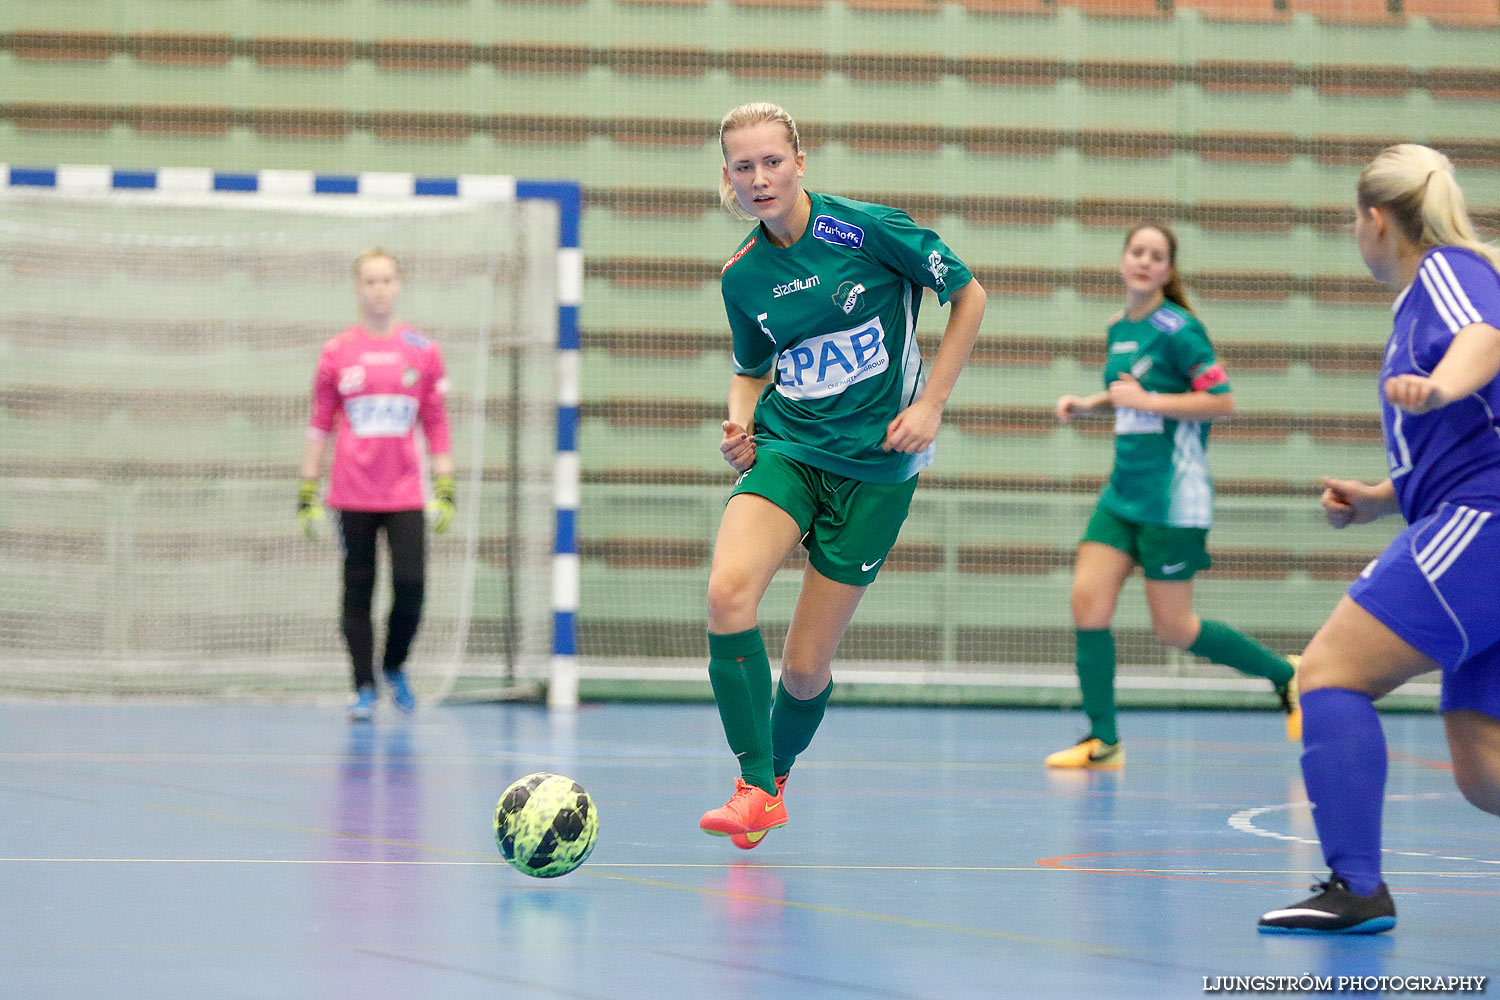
1164,552
848,525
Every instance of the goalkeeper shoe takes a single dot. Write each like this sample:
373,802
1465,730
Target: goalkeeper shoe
1334,909
1291,704
362,708
1090,753
748,841
750,810
405,701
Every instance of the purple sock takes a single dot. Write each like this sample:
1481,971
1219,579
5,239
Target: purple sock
1343,768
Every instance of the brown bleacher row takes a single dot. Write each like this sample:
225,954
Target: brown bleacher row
662,553
408,55
691,272
922,138
1010,349
21,401
921,557
1002,209
61,332
1103,283
239,470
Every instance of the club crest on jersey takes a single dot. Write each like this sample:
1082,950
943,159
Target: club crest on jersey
351,380
838,232
847,297
937,267
409,377
826,365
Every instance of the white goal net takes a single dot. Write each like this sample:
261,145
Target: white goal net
158,355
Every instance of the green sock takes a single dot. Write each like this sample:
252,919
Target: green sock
1222,644
1096,676
740,673
793,722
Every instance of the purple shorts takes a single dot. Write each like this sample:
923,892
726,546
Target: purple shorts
1437,586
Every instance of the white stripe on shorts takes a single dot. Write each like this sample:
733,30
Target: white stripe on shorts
1454,551
1439,543
1451,541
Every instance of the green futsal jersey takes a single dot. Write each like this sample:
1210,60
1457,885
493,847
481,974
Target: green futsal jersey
833,318
1161,465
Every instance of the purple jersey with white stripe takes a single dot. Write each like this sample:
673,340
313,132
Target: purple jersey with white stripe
1453,452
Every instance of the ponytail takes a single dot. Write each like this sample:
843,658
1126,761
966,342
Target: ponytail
1416,186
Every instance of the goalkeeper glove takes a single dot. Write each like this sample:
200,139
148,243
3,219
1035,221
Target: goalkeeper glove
309,511
441,507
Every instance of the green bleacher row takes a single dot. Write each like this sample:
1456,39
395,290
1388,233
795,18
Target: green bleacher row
266,63
683,86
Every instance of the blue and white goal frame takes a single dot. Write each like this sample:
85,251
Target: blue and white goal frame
562,687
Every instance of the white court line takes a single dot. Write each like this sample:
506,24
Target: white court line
1244,821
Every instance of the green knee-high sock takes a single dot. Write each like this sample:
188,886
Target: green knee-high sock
1096,676
793,722
741,676
1222,644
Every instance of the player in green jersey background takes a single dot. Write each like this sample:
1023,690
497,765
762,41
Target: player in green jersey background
1165,386
831,417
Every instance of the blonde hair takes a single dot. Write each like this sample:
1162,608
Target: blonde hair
1173,290
745,116
375,253
1417,187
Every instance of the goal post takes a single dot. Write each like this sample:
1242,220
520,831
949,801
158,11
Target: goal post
161,328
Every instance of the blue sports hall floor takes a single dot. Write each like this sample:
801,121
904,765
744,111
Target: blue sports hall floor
175,850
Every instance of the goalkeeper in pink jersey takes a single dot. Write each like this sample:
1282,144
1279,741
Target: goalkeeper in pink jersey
375,383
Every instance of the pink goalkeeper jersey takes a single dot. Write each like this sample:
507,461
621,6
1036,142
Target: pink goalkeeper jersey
377,389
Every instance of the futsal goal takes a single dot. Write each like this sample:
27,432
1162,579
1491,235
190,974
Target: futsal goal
160,330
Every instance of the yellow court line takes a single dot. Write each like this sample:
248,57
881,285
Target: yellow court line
602,869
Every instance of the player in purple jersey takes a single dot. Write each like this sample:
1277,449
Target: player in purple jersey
376,383
1427,602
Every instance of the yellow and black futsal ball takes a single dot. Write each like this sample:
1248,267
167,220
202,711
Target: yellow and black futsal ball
545,825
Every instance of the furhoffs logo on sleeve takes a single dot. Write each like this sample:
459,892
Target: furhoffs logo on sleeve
840,233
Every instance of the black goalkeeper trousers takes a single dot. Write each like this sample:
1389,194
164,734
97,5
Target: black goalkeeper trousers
406,536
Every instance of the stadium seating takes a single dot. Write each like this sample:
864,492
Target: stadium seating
1015,127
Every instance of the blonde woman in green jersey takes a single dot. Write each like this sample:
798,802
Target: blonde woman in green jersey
831,417
1165,387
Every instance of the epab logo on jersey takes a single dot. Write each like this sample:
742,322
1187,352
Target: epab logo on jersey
381,415
838,232
826,365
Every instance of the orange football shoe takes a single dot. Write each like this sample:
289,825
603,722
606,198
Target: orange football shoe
747,841
749,811
1091,754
